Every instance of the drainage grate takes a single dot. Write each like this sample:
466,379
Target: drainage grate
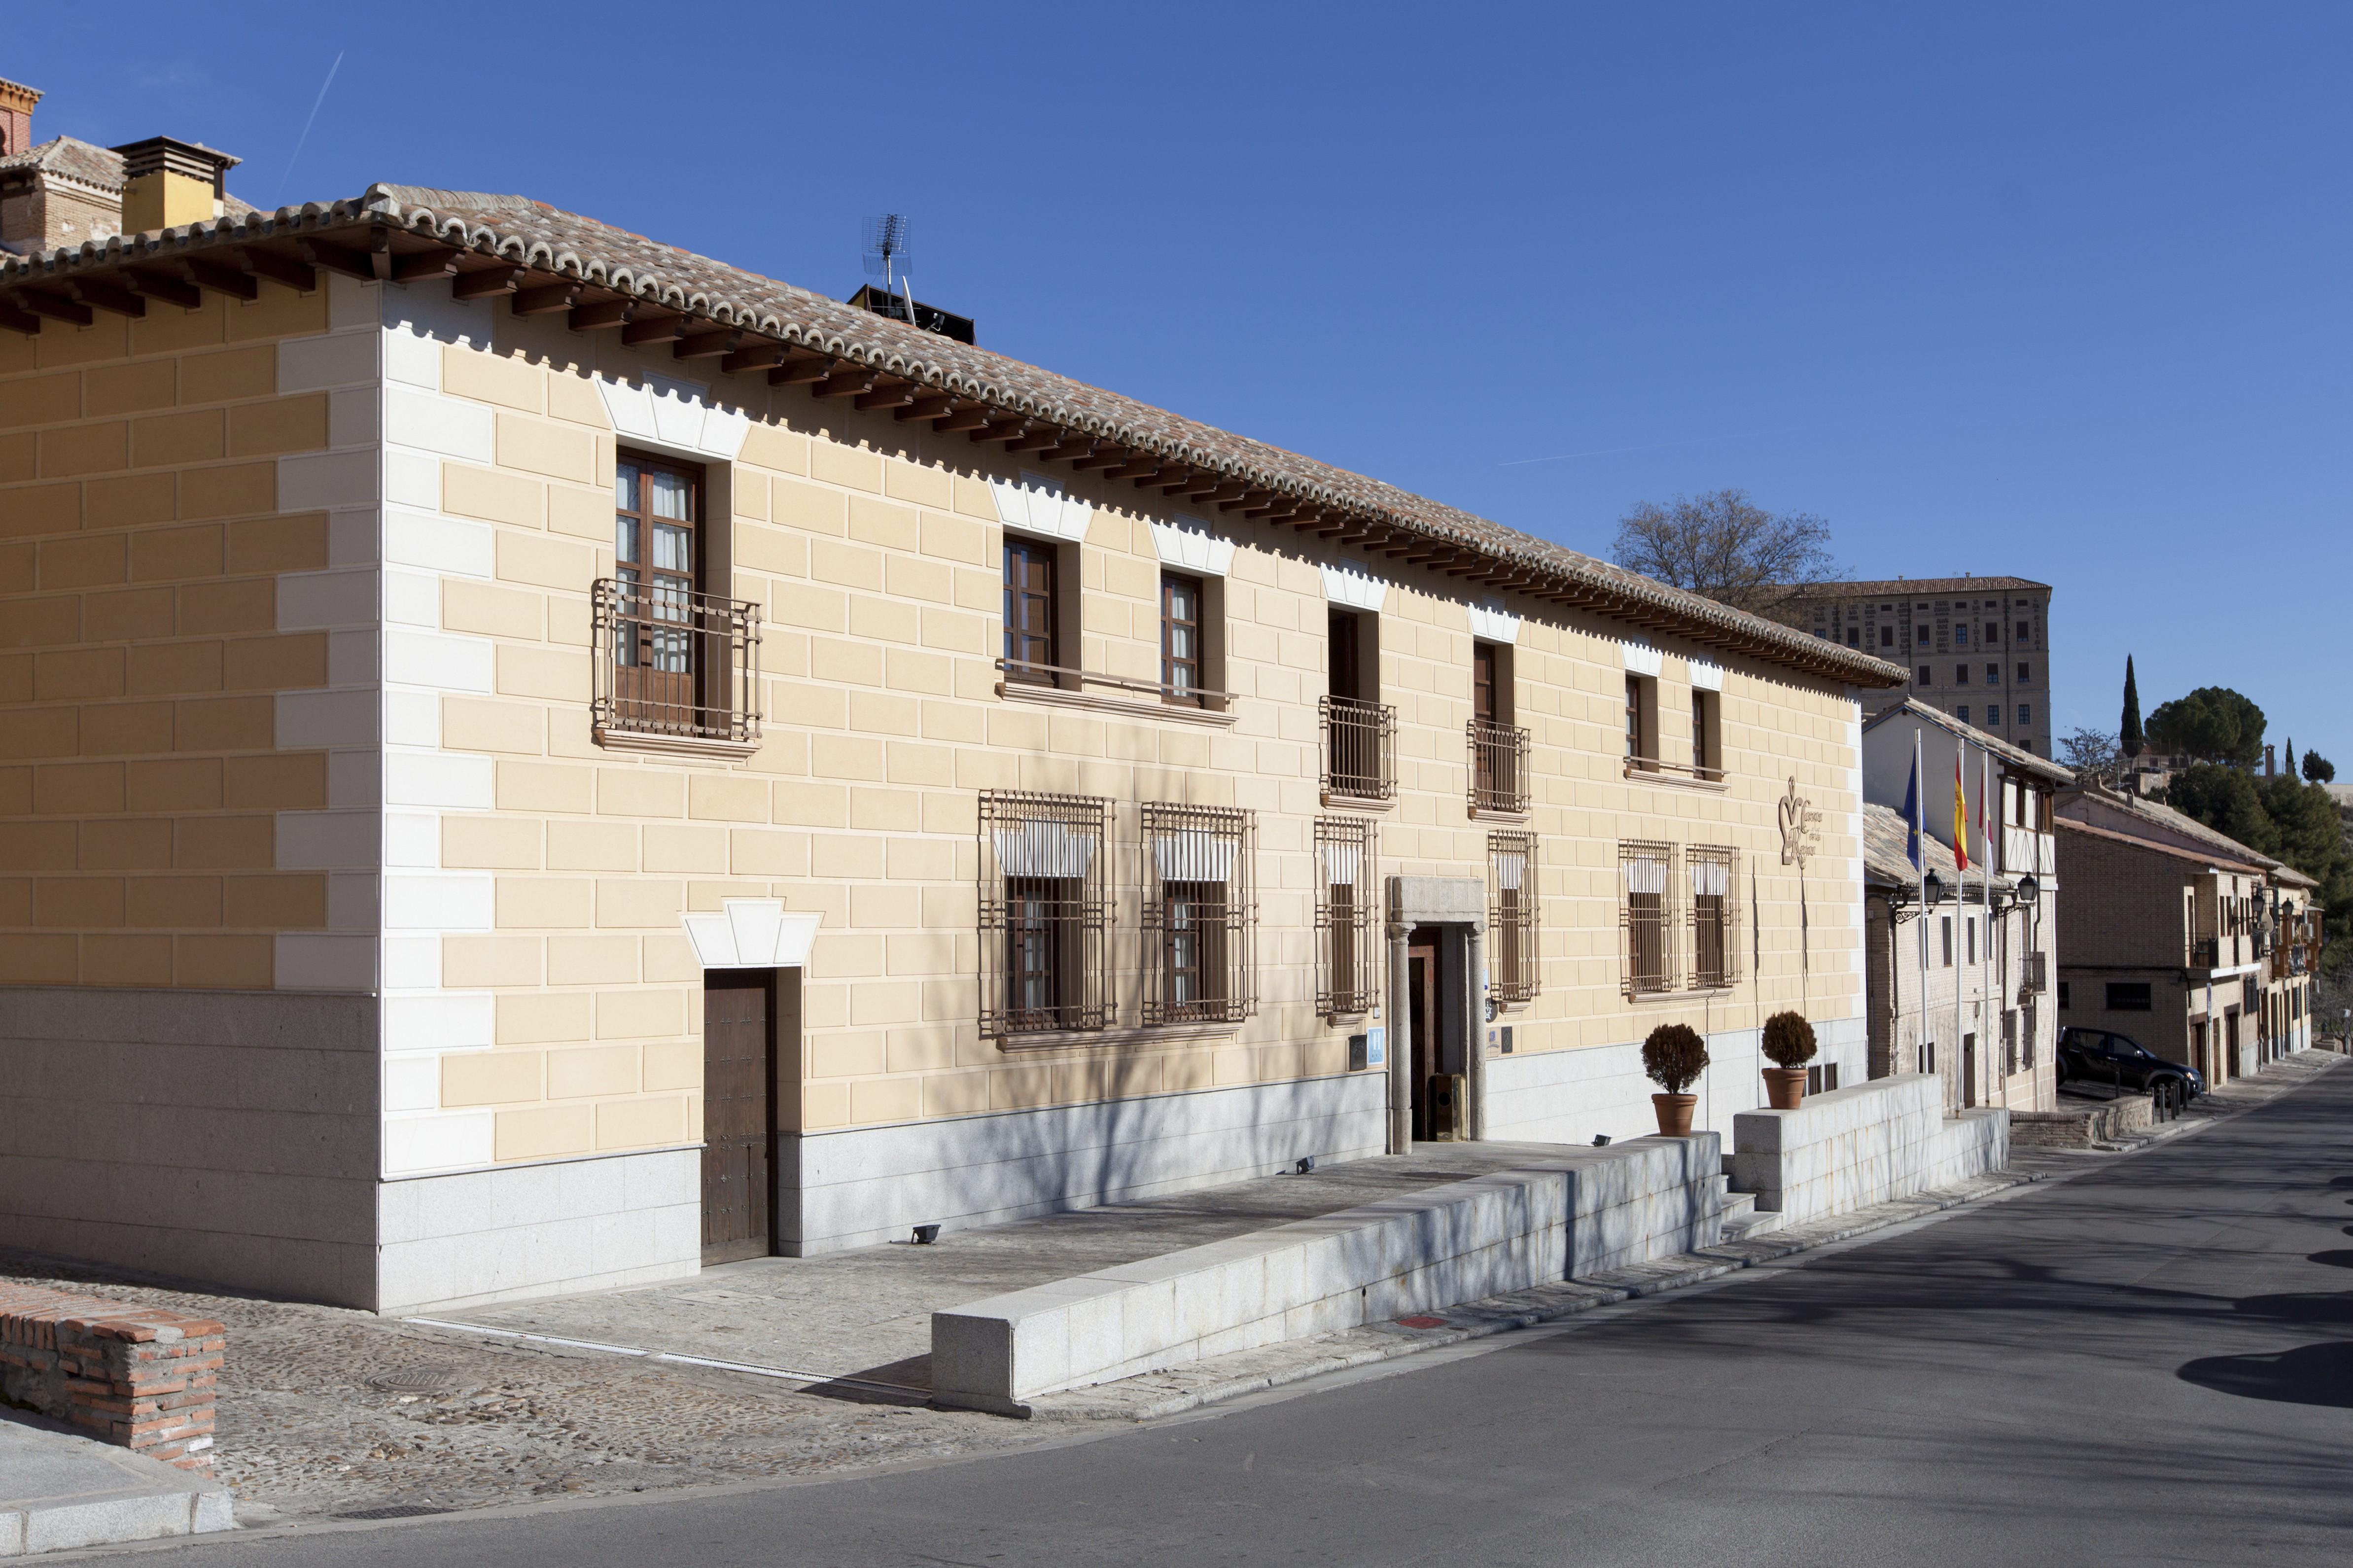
418,1379
396,1511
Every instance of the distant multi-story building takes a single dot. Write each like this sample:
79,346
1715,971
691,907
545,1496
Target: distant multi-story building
1977,647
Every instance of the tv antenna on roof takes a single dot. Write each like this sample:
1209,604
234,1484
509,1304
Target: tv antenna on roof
888,246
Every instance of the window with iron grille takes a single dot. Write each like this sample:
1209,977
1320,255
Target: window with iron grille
1511,961
1348,913
1647,942
1045,913
1714,917
670,661
1199,913
2026,1024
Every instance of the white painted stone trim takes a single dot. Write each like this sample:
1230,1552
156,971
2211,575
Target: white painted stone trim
675,415
1641,658
1346,585
1189,545
1492,623
1038,504
752,933
1705,676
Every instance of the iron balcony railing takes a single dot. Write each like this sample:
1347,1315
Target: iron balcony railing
1499,767
673,664
1359,748
2205,952
2037,976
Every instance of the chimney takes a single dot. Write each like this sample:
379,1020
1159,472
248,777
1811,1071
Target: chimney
15,118
167,183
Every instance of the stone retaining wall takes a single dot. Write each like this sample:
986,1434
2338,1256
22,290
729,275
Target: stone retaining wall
1855,1147
1568,1212
141,1377
2082,1126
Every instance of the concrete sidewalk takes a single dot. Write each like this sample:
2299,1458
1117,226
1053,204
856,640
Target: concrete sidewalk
60,1490
863,1318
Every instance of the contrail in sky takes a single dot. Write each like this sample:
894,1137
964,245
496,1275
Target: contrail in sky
281,198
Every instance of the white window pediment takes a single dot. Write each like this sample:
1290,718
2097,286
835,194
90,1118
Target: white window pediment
1706,677
1641,658
675,414
1348,586
1189,546
1492,623
752,933
1038,504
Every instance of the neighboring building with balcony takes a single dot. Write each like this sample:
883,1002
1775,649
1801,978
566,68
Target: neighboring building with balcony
1978,647
562,761
1965,991
2181,938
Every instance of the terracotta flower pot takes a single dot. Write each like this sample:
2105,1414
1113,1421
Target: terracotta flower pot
1674,1113
1785,1087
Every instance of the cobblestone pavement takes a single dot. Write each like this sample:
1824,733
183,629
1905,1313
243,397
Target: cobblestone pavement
329,1414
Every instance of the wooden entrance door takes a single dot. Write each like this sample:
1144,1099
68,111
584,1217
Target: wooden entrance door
1968,1071
739,1113
1422,1020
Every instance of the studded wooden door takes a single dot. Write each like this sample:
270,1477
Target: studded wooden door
739,1114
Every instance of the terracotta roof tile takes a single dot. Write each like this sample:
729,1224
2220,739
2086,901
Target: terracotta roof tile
571,246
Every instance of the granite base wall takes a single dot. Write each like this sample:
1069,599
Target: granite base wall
865,1185
548,1229
1566,1213
1569,1096
1866,1144
225,1138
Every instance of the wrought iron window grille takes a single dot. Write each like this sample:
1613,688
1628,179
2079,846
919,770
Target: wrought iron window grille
1513,910
1645,924
1199,915
1359,741
672,663
1347,912
1714,917
1498,766
1046,904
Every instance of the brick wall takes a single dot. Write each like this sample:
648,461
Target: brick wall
141,1377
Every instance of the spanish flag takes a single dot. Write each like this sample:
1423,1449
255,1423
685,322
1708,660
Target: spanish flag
1960,816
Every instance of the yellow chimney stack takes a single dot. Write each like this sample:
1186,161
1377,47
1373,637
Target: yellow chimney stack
167,183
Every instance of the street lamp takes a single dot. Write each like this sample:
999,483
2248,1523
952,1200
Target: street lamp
1933,889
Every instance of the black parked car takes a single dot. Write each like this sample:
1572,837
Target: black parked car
2098,1055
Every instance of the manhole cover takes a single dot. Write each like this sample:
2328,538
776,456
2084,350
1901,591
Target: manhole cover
396,1511
417,1380
1421,1322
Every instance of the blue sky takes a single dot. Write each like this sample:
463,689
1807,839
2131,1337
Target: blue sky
2052,290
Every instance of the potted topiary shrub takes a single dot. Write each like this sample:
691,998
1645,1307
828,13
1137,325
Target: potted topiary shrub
1788,1042
1675,1056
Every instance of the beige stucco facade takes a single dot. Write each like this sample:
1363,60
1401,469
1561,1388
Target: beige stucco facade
297,687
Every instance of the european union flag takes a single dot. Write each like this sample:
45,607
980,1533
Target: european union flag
1912,815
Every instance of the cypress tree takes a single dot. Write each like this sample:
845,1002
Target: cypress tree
2290,768
2129,739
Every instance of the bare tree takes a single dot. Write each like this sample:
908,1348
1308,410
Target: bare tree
2092,753
1723,545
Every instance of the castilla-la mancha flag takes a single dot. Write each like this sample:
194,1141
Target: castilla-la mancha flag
1960,816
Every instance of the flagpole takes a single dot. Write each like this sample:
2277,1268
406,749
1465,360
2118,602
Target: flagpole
1920,837
1986,966
1960,911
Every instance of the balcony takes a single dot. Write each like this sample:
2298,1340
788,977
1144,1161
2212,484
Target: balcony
2206,952
1499,767
674,670
2035,976
1359,748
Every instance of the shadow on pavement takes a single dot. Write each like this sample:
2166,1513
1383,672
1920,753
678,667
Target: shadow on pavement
2299,1307
2308,1374
2337,1258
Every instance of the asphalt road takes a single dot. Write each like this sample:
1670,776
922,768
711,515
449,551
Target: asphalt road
2151,1363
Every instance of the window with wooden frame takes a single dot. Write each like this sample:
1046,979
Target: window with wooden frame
1512,923
1641,724
1714,917
1348,913
1707,734
1647,934
1499,748
670,659
1201,911
1045,913
1032,611
1184,642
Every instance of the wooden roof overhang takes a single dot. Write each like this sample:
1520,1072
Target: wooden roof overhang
294,246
